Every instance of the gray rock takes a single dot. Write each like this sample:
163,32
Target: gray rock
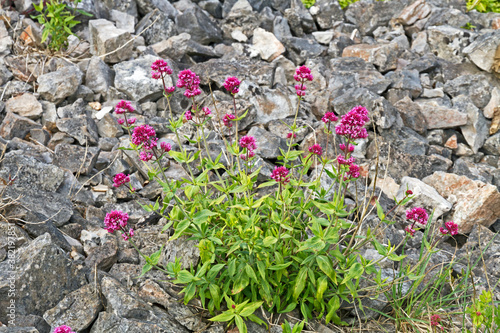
447,42
108,322
412,116
75,158
268,145
213,7
492,145
25,105
101,249
465,166
123,20
5,75
407,80
301,49
447,16
474,86
425,196
186,250
328,13
281,29
14,126
163,28
266,45
98,76
133,78
438,116
300,20
77,310
104,7
269,104
56,86
82,128
475,131
106,39
482,50
23,329
30,173
201,28
108,127
38,265
380,110
164,6
177,47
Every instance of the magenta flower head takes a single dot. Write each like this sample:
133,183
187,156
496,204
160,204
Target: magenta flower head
435,319
248,142
63,329
206,111
232,85
329,117
316,150
188,115
291,135
120,179
452,227
280,175
443,231
115,220
302,74
124,106
145,156
165,146
417,215
410,231
145,135
351,124
300,89
353,171
342,161
170,90
126,235
121,121
190,81
227,120
159,68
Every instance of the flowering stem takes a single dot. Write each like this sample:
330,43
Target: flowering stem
146,258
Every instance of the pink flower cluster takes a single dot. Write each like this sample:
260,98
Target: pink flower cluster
166,147
248,142
123,107
130,121
280,175
120,179
159,69
329,117
190,81
343,147
450,227
316,150
63,329
417,215
352,124
117,220
145,135
302,74
232,85
291,135
227,120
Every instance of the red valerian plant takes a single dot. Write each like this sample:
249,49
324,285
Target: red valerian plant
296,246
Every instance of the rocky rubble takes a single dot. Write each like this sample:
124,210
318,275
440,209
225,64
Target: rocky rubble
431,87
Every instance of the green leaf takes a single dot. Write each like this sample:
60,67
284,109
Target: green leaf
314,243
242,327
181,227
251,273
223,317
212,273
269,240
280,266
300,282
155,257
250,309
333,305
215,293
184,277
241,282
380,211
355,272
326,266
261,266
298,327
322,285
202,216
289,308
146,268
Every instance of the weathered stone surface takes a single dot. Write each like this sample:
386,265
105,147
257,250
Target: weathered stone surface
14,126
475,131
98,76
368,15
267,45
201,28
77,310
39,265
301,49
474,201
414,12
56,86
25,105
300,20
412,116
384,56
76,158
82,128
159,27
101,248
492,144
177,46
447,42
133,78
328,13
268,145
474,86
438,116
482,50
105,38
406,80
108,127
425,196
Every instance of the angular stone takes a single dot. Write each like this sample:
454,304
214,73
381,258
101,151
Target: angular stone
133,78
98,76
201,28
414,12
82,128
268,145
380,110
368,15
106,38
101,248
14,126
159,27
492,144
177,47
328,13
447,42
452,142
30,173
108,127
438,116
108,322
300,20
406,80
103,8
39,265
465,166
412,116
164,6
474,86
23,329
267,45
425,196
474,201
270,104
301,49
77,310
76,159
482,50
56,86
25,105
447,16
475,131
384,56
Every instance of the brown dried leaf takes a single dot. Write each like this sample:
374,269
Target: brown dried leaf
26,36
495,123
95,105
496,63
